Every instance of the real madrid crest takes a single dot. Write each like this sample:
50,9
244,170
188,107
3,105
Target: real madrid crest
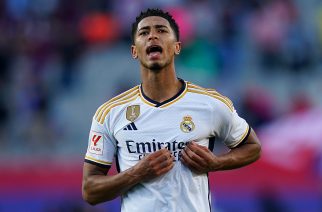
187,124
132,112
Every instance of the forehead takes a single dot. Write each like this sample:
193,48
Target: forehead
153,21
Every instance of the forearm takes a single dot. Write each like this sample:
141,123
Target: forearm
97,187
100,188
239,157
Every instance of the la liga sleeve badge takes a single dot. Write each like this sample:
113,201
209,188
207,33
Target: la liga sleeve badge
96,143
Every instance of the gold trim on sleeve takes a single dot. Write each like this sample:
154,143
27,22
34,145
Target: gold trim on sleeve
98,161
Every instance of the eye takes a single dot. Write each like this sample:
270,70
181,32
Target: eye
143,33
162,30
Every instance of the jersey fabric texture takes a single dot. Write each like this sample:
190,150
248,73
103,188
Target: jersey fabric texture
131,125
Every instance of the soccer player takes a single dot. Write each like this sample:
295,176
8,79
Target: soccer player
161,132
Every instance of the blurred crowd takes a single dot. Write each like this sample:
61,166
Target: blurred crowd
237,46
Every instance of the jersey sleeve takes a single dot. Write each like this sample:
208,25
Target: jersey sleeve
229,126
101,145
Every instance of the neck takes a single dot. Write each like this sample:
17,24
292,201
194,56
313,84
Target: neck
160,86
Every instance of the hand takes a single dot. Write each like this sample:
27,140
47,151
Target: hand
199,158
154,165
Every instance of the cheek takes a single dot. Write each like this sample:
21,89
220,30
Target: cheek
139,47
170,50
140,51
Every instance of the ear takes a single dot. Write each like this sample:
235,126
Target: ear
177,48
134,52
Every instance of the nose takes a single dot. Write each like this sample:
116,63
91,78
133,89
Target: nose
153,35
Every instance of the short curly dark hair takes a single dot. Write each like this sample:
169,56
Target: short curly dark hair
155,12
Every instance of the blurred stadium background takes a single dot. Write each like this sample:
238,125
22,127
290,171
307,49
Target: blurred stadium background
59,60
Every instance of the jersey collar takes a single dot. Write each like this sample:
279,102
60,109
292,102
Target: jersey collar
167,102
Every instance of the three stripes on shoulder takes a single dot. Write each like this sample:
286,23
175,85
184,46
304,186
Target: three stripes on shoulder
130,126
123,98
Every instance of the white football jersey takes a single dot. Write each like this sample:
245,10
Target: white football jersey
131,125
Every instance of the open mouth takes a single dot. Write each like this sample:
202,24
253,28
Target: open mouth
154,49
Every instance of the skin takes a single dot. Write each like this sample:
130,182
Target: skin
201,160
160,83
98,187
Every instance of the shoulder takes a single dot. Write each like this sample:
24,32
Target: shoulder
116,101
209,93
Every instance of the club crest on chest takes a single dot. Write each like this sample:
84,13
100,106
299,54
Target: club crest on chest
187,124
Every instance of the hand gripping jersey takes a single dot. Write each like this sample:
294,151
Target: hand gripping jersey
131,125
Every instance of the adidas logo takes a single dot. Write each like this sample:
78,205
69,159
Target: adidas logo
130,126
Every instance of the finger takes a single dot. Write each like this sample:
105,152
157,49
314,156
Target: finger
204,147
201,151
159,152
190,163
198,146
165,169
165,163
195,157
166,157
190,167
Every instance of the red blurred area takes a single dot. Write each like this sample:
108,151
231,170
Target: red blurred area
99,28
43,175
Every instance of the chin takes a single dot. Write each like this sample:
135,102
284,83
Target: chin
155,67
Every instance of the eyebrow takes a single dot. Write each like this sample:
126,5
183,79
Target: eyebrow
156,26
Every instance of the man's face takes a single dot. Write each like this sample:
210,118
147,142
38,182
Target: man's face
155,43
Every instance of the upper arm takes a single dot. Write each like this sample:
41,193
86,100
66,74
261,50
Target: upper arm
251,146
251,139
90,170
